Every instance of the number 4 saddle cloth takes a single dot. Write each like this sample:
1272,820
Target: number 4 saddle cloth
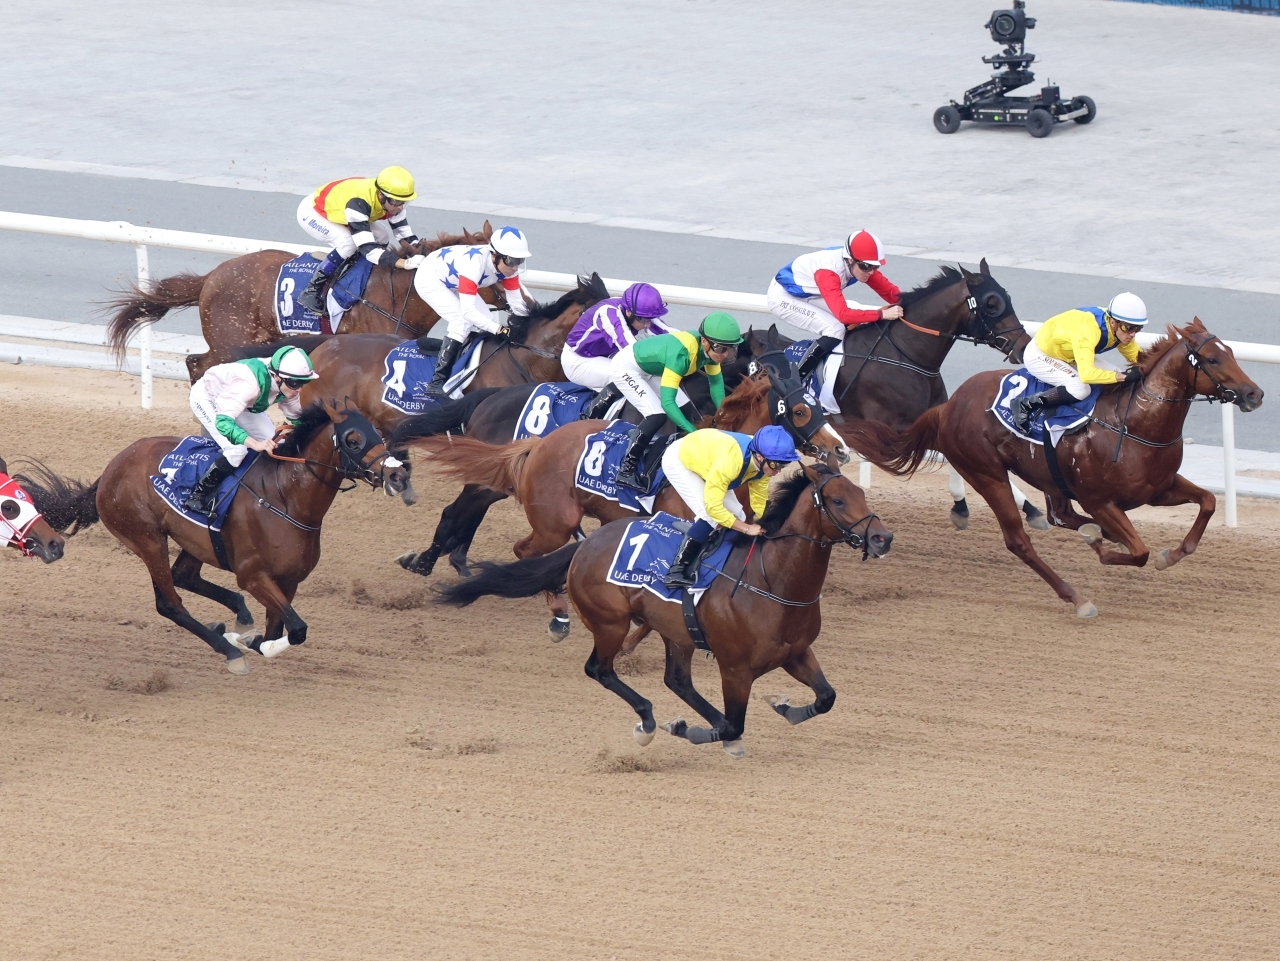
409,371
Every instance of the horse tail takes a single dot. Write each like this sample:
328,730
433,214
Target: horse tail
525,578
67,505
452,415
898,452
134,307
495,466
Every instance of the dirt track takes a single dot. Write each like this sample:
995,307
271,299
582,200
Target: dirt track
997,778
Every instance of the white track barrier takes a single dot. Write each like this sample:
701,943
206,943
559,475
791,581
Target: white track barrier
120,232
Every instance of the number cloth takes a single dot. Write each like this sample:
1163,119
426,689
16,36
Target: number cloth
1074,338
231,400
706,465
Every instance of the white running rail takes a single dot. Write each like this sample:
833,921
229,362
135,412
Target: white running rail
119,232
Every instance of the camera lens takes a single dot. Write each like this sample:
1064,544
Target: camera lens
1004,25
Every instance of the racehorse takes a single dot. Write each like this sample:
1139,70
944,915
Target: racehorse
1127,456
540,472
237,301
891,371
271,535
22,525
763,613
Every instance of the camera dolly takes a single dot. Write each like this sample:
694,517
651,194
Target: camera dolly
989,102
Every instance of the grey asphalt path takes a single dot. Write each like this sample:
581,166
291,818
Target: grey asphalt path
61,279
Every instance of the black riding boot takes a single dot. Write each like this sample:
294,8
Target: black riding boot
629,470
201,499
599,405
310,297
1048,401
684,567
444,365
816,354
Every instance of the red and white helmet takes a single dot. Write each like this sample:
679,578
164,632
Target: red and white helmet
865,247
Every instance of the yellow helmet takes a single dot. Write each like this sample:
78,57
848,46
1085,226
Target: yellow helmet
396,183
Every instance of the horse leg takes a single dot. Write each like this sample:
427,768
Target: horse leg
679,677
1114,520
277,599
551,531
458,524
995,491
1185,492
804,668
960,509
599,667
632,640
186,575
459,546
1034,515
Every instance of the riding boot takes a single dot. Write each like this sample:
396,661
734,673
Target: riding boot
449,352
629,470
599,405
312,297
684,566
818,351
1023,408
201,500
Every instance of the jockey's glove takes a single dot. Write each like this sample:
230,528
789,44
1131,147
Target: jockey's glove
414,262
504,331
1132,374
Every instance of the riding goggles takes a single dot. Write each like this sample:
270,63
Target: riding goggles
718,348
1128,328
776,464
295,383
389,201
511,261
869,268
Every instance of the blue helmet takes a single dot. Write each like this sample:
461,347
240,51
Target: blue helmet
774,443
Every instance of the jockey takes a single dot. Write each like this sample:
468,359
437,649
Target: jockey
231,400
357,215
604,329
1063,351
450,279
648,374
704,468
809,293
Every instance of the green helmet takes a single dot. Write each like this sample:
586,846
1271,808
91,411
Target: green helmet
292,363
721,328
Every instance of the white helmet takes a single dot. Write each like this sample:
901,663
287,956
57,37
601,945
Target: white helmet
510,242
1128,308
292,363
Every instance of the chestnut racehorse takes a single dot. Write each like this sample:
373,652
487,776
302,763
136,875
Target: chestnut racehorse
1127,456
237,301
271,534
764,613
22,526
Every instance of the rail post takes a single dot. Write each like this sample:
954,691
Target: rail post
144,337
1229,464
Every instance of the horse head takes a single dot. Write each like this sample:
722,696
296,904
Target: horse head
843,514
362,453
22,526
992,320
789,407
1208,367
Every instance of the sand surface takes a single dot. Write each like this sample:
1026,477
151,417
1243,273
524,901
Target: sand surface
998,779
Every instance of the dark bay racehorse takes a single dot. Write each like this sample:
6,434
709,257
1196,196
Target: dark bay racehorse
1127,456
769,621
22,526
237,301
271,534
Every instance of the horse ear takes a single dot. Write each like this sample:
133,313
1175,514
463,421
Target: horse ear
970,277
986,271
1197,324
331,408
487,230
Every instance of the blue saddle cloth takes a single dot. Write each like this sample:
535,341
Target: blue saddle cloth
350,286
795,354
292,317
551,406
648,546
1019,383
598,469
181,470
408,371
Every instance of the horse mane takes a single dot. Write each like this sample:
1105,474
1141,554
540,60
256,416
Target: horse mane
737,406
312,420
590,290
1173,336
944,278
442,239
783,497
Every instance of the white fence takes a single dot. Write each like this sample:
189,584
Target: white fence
120,232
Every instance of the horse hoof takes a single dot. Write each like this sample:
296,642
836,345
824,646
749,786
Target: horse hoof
558,629
734,748
1035,518
960,521
676,728
235,641
643,737
273,648
238,664
1162,560
406,560
779,702
1091,533
1086,610
217,627
247,622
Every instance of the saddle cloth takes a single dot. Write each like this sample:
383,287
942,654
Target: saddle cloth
598,467
182,468
1069,417
813,388
551,406
645,552
293,318
408,371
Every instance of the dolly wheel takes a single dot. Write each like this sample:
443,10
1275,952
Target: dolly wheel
1086,102
1039,122
946,119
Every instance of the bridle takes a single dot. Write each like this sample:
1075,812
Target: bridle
25,514
802,420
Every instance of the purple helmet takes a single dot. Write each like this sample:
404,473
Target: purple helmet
642,300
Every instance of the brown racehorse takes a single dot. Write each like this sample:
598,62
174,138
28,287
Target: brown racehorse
1127,456
540,472
763,614
22,526
271,534
237,301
